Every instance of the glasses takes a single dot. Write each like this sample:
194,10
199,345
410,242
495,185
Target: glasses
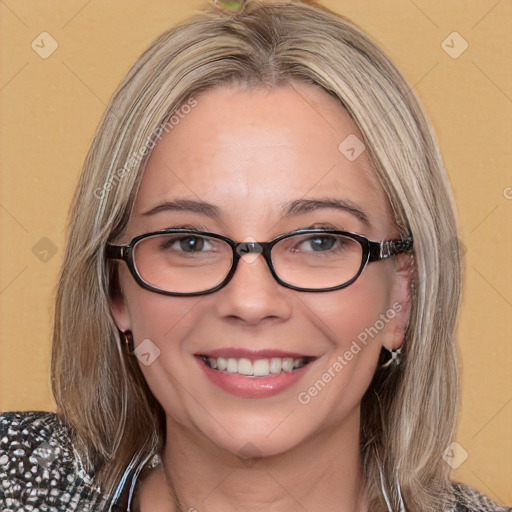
188,262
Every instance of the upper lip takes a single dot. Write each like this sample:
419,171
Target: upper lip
252,354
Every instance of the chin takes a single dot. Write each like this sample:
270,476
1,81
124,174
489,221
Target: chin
247,438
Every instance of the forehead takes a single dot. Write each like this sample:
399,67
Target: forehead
249,151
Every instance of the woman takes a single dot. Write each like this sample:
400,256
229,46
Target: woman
259,293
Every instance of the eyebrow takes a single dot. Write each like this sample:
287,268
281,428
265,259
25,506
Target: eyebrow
186,205
301,206
290,209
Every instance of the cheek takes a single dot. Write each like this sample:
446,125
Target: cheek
347,314
153,315
351,321
167,322
163,319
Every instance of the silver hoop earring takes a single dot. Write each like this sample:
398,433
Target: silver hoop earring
394,357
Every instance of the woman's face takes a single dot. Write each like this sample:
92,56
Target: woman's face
247,156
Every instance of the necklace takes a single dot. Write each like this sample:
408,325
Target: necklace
178,507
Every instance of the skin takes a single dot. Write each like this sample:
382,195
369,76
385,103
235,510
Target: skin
248,151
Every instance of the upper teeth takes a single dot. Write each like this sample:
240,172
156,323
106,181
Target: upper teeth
258,368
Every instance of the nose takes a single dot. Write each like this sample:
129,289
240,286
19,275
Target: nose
253,295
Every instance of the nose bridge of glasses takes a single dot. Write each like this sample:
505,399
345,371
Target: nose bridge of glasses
247,247
249,250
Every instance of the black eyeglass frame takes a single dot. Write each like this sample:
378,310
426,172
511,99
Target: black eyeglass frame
372,251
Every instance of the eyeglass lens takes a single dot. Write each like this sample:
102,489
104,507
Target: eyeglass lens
189,263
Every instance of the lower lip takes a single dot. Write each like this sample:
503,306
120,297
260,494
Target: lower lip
253,387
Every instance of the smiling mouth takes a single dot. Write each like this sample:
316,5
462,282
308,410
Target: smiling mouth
258,368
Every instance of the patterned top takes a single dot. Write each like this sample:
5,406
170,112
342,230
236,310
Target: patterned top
41,471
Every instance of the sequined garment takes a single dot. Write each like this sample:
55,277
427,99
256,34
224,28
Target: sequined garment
40,471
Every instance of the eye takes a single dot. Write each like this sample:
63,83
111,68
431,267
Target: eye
192,243
320,243
189,243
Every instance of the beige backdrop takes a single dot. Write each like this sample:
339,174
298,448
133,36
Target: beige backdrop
51,104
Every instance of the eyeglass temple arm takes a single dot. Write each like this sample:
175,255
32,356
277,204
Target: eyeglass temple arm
382,250
116,252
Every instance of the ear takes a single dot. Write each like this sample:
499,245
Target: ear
120,313
401,301
118,305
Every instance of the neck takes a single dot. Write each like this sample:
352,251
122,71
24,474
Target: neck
322,474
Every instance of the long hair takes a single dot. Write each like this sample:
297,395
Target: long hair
408,414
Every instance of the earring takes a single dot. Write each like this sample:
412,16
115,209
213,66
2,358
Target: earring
128,340
390,357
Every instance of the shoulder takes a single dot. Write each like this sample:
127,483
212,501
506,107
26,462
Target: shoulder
468,499
39,466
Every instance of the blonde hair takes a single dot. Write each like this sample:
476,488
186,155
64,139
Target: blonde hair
408,414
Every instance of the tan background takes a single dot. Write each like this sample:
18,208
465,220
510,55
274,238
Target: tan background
51,107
